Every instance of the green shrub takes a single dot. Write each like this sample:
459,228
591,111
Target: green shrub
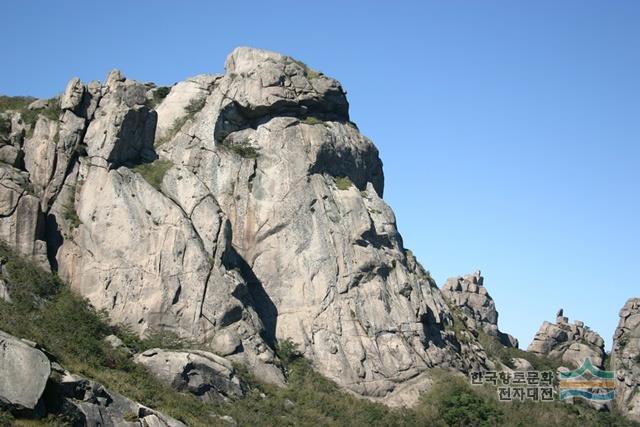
159,94
343,183
195,105
70,215
310,120
243,150
160,338
308,72
287,351
30,117
453,401
496,351
14,103
154,172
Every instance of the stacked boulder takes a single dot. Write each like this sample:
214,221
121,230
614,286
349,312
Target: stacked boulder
476,305
568,343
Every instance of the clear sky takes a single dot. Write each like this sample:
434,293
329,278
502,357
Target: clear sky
509,131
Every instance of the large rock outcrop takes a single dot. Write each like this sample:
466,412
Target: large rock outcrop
568,343
625,359
256,216
33,385
24,371
201,373
476,305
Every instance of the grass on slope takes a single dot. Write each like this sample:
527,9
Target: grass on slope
45,310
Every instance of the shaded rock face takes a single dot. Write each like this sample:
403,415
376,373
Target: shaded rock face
569,343
90,404
268,223
203,374
625,359
478,308
24,371
32,385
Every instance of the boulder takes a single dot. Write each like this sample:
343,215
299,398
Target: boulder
92,405
204,374
24,371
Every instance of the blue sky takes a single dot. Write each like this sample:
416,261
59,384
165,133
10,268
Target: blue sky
509,131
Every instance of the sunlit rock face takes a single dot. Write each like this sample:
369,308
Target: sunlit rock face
238,210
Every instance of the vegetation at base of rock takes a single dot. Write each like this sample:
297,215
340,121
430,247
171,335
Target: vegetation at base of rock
496,351
30,117
154,172
44,307
43,310
343,183
14,103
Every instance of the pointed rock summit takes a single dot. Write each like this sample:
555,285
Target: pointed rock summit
568,343
478,308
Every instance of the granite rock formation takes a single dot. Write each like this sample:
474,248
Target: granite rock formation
625,359
568,343
238,210
476,305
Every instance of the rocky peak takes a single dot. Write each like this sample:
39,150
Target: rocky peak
477,307
569,343
256,215
625,359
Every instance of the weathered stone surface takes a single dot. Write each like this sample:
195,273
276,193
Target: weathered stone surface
122,129
21,220
176,103
24,371
568,343
95,406
204,374
73,94
268,224
625,359
477,307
